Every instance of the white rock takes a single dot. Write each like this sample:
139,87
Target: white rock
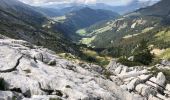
165,62
160,79
139,97
38,56
158,82
118,70
162,97
44,97
97,68
6,95
168,87
92,67
132,74
8,58
31,75
127,80
112,65
131,86
120,94
131,58
133,25
124,87
52,62
43,56
151,97
116,79
36,78
145,90
144,78
124,70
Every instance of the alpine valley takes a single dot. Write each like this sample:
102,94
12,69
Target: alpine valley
84,50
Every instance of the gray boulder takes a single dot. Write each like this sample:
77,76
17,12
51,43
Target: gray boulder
145,90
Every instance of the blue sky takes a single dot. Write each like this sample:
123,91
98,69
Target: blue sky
111,2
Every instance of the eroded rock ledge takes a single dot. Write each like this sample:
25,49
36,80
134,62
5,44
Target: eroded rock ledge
34,73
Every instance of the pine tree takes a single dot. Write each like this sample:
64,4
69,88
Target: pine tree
142,53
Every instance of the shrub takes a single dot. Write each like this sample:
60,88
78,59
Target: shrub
142,54
107,74
128,63
144,57
156,61
91,59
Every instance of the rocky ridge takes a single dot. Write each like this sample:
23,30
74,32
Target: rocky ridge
29,72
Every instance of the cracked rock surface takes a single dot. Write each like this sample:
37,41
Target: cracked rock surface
140,82
35,73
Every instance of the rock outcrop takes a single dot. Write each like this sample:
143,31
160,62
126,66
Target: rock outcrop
140,81
35,73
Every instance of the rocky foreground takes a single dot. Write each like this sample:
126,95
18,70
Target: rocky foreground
28,72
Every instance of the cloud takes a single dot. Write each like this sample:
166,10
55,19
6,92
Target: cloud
85,1
111,2
59,1
39,2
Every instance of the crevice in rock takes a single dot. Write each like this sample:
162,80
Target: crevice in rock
144,81
158,84
18,90
13,68
42,57
35,60
71,67
45,90
161,89
52,92
2,84
59,93
27,94
141,82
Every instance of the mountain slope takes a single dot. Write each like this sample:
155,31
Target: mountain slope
21,11
65,8
46,76
82,18
122,9
18,20
49,12
160,9
126,32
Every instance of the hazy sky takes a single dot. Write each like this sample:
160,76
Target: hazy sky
111,2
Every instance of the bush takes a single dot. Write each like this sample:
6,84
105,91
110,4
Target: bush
107,74
156,61
144,57
91,59
128,63
142,54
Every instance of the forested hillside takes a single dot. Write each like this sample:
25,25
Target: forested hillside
82,18
21,21
119,37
